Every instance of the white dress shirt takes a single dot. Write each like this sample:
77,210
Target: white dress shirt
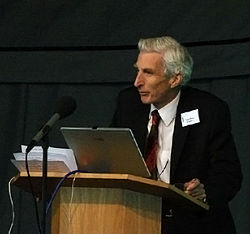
165,137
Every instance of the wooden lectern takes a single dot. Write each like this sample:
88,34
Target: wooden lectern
91,203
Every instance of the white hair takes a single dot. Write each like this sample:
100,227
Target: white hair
177,59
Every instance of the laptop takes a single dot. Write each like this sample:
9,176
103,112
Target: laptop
106,150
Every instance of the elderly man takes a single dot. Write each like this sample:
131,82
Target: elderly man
191,132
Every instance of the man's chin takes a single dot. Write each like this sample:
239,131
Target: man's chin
145,100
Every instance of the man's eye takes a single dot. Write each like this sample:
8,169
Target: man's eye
148,72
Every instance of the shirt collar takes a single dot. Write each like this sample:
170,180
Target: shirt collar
168,112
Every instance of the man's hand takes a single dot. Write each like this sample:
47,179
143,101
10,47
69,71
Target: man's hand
195,189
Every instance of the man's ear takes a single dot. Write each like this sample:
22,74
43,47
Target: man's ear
176,80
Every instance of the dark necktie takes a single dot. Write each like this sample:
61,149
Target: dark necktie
152,144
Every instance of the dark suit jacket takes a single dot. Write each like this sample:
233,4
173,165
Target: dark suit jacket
205,150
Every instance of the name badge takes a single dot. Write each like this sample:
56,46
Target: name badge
190,118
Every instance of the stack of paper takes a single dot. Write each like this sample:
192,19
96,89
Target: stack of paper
59,159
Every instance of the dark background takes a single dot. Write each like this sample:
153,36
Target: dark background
86,49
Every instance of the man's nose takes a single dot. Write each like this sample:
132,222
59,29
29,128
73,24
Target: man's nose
138,80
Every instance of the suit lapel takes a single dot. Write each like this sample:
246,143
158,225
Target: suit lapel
180,134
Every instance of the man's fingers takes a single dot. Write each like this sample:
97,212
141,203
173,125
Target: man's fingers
196,192
191,184
202,198
195,189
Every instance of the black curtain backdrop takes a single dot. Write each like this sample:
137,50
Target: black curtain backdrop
86,49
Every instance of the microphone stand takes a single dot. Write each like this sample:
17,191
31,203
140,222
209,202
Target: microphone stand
45,147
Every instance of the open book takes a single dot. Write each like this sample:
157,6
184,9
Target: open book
59,159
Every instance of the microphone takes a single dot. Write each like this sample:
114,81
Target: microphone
65,106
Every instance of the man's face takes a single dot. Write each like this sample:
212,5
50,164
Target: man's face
151,82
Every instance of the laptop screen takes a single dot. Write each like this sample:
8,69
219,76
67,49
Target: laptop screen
106,150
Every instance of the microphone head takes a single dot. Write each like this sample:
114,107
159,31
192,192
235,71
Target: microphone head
65,106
